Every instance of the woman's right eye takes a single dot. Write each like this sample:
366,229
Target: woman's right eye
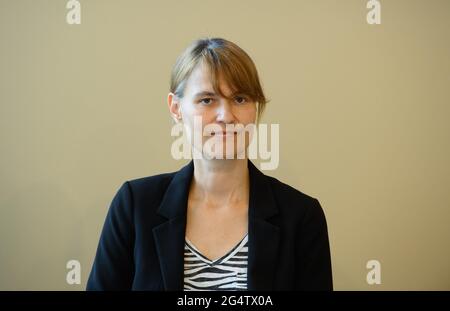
206,101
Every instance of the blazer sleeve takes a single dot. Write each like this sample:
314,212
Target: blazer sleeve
113,267
313,251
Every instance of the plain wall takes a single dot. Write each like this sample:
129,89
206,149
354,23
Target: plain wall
363,113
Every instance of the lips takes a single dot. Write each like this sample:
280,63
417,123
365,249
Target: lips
223,133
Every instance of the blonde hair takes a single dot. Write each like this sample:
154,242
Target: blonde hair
226,60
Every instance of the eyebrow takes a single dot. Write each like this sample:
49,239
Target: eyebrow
205,93
208,93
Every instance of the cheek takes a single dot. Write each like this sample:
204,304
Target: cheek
249,115
195,120
189,112
192,109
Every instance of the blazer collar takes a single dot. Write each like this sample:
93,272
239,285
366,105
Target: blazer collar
263,235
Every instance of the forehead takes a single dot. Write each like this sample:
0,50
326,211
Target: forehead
200,80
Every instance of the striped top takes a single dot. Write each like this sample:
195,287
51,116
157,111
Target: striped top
226,273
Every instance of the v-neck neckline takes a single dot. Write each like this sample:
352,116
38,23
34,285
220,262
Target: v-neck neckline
222,259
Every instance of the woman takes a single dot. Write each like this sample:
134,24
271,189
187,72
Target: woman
218,223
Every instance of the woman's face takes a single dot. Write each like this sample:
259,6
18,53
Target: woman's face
217,114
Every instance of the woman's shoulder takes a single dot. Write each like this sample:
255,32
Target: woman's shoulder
292,201
282,189
150,186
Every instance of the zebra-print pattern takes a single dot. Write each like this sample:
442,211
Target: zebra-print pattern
226,273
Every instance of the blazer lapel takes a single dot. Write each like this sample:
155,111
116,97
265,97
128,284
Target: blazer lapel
170,235
263,236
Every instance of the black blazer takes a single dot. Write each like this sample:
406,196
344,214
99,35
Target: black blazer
142,242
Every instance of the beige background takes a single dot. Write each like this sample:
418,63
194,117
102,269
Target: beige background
363,113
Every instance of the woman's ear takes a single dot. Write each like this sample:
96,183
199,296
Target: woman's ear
174,106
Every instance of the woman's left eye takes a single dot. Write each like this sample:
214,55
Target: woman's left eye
240,99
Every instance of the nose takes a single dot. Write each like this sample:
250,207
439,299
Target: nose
225,112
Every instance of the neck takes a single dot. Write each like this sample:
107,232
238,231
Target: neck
220,182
